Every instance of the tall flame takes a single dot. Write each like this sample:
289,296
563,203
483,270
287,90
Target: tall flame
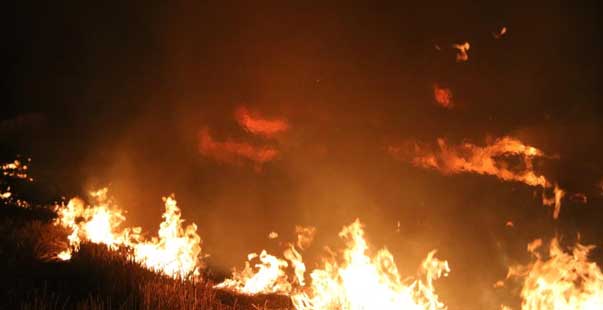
175,252
364,282
358,281
564,281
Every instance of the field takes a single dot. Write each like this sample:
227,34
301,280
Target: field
95,278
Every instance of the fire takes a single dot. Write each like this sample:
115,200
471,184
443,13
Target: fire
233,152
364,282
461,55
175,252
356,281
487,160
554,201
16,169
580,198
564,281
443,96
259,126
500,33
268,276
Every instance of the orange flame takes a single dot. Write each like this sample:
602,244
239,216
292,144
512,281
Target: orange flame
461,55
500,33
258,125
175,252
364,282
357,282
443,96
564,281
486,160
232,152
15,169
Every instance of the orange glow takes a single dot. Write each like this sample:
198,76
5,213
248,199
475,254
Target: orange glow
443,96
257,125
510,224
461,55
175,252
233,152
579,197
563,281
469,157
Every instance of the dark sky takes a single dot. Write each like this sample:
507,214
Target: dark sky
116,92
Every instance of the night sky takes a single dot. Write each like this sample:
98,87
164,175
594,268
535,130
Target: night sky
115,93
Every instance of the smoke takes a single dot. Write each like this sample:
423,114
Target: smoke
259,126
233,152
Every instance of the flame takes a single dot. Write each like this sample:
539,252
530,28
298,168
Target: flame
485,160
580,198
554,201
232,152
272,235
443,96
175,252
500,33
357,282
268,276
259,126
461,55
564,281
16,169
364,282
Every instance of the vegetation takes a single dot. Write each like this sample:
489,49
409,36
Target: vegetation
95,278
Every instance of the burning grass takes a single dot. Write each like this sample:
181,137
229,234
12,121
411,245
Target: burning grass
96,277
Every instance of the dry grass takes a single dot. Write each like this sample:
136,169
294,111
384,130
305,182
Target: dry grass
95,278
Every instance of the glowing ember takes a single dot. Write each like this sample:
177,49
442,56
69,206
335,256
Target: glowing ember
175,252
461,55
564,281
443,96
500,33
258,125
16,169
554,201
